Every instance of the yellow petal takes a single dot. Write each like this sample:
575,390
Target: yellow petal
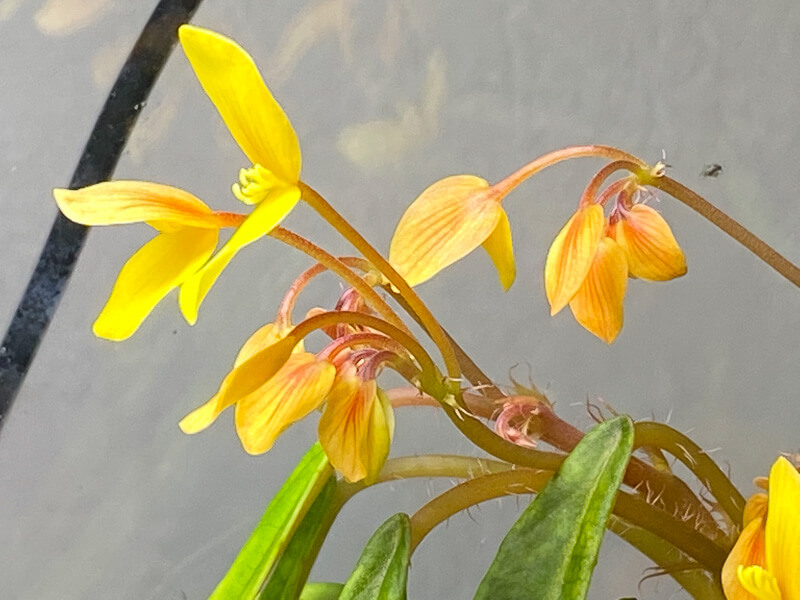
157,267
501,251
755,507
598,304
298,388
783,527
260,222
649,245
245,378
232,81
356,428
445,223
119,202
571,255
760,583
748,550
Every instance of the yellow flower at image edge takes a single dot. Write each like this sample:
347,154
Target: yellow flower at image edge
765,561
183,254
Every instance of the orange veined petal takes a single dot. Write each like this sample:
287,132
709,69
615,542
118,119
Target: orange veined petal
748,550
755,507
246,377
446,222
598,304
232,81
356,428
263,337
298,388
266,216
571,255
157,268
783,528
500,249
648,243
120,202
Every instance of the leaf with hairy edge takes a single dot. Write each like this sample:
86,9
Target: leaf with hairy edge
291,571
272,534
382,571
321,591
551,550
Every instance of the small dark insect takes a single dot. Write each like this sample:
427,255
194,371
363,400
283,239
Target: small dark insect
712,170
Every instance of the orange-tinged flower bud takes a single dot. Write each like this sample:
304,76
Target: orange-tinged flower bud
446,222
598,303
571,255
299,387
356,428
649,245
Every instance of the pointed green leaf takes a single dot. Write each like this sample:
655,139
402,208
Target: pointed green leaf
382,571
321,591
291,571
551,550
273,532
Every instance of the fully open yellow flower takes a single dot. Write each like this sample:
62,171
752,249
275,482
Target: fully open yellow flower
182,254
446,222
765,561
258,124
188,234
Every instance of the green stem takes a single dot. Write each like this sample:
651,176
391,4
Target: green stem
518,481
327,212
370,296
730,226
697,461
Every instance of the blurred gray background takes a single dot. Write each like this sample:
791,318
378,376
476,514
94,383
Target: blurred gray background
101,496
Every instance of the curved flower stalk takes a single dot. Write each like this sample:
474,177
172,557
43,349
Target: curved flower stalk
591,258
189,228
765,562
188,234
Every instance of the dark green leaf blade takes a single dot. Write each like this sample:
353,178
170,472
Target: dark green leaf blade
551,550
291,571
382,571
273,532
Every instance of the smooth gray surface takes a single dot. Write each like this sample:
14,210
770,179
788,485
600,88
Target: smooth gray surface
102,496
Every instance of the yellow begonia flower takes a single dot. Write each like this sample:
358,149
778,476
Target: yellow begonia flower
188,235
356,428
446,222
765,561
591,258
260,127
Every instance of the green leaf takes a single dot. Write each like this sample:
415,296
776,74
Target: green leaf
551,550
321,591
273,532
382,571
291,571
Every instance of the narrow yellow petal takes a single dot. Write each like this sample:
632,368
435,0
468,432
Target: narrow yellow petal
298,388
378,437
598,304
119,202
760,583
266,216
783,527
501,251
157,267
446,222
247,376
571,255
232,81
649,245
748,550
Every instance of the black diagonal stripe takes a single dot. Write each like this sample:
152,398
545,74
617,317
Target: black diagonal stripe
97,163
